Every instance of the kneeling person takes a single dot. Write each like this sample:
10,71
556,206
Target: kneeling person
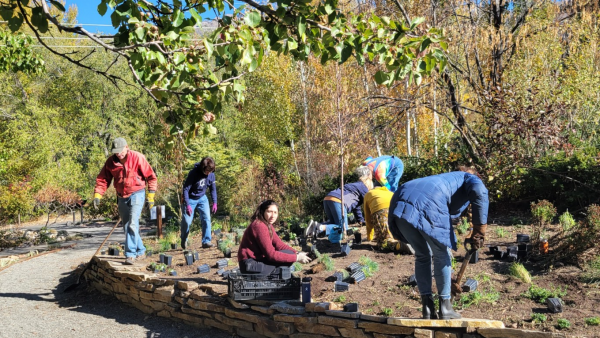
261,250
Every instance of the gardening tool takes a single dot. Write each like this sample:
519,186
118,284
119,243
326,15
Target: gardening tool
456,288
73,286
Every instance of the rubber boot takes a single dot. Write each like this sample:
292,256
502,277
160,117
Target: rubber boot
446,311
428,307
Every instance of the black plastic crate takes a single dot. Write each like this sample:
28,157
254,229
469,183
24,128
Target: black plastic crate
221,263
358,276
249,287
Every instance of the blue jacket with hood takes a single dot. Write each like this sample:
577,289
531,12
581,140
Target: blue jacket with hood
429,204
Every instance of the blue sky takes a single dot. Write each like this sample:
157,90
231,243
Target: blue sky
88,14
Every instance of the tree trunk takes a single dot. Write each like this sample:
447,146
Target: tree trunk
306,126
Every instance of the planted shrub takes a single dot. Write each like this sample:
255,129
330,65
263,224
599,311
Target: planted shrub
538,318
340,299
500,232
463,226
540,294
518,271
297,266
543,212
387,311
566,221
592,321
562,324
369,266
327,262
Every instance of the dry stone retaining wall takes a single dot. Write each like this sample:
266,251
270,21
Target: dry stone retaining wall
187,301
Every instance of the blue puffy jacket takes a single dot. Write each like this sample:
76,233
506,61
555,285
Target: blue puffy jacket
429,204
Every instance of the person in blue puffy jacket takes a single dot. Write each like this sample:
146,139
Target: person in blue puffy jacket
420,214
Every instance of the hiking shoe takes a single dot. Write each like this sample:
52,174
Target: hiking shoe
129,261
310,229
207,245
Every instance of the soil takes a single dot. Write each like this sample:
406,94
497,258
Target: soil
387,293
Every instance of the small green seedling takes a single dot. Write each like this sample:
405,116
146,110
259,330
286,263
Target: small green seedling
340,299
387,311
500,232
566,221
592,321
369,266
538,318
562,324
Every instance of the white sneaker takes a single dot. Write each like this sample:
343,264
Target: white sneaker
310,229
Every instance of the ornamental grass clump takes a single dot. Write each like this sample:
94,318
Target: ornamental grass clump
369,266
518,271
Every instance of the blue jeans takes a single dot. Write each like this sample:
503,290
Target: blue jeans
130,210
201,205
394,175
442,265
333,211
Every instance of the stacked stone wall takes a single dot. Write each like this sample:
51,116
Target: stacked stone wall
187,301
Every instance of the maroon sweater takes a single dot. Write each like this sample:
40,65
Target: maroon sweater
258,245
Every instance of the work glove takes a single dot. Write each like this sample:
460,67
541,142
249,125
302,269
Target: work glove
189,210
478,235
456,288
214,208
302,257
96,201
151,199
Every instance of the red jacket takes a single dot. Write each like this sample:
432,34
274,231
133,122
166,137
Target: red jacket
129,178
258,245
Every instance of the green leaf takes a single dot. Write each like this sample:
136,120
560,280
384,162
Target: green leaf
15,22
196,16
115,18
58,5
253,65
171,35
292,44
380,77
178,17
140,32
252,19
329,8
209,47
212,130
301,22
416,22
444,45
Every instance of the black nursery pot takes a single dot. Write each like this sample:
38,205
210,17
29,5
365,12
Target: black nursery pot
522,238
227,253
168,259
341,286
196,255
116,252
203,268
189,259
357,238
499,254
351,307
474,258
149,253
174,246
346,249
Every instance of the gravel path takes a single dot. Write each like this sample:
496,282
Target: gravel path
32,303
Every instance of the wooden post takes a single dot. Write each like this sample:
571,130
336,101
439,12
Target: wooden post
73,217
81,210
159,221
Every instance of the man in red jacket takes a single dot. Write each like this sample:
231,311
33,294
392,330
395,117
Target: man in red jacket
130,172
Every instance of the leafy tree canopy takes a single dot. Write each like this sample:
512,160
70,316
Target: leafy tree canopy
192,78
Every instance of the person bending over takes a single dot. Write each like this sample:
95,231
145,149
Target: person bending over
420,213
261,250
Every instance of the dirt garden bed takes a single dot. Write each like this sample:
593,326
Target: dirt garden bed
499,296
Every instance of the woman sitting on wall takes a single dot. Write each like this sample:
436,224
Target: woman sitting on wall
261,250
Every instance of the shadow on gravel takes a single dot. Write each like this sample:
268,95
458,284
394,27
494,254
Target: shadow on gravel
90,301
